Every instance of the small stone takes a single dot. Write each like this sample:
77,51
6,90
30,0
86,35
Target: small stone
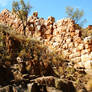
35,14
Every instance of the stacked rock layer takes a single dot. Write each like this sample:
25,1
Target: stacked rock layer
61,36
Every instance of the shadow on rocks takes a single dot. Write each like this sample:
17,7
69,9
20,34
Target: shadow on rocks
5,75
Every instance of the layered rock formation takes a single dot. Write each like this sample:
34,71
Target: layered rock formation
61,36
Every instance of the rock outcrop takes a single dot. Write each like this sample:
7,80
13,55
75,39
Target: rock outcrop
61,36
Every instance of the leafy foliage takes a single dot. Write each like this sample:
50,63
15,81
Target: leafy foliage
76,15
22,10
86,32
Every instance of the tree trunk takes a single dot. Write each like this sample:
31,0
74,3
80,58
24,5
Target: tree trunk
24,27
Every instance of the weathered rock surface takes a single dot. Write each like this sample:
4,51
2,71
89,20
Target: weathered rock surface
61,36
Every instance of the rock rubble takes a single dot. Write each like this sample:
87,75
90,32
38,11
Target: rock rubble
61,36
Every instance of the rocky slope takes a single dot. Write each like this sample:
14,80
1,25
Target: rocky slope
61,36
52,49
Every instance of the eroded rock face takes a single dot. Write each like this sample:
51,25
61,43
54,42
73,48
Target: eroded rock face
33,67
61,36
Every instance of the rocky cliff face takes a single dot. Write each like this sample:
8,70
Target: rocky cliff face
61,36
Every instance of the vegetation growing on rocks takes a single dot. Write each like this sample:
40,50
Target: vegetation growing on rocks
50,56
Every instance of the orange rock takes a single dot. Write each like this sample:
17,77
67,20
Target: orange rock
72,34
35,14
89,27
